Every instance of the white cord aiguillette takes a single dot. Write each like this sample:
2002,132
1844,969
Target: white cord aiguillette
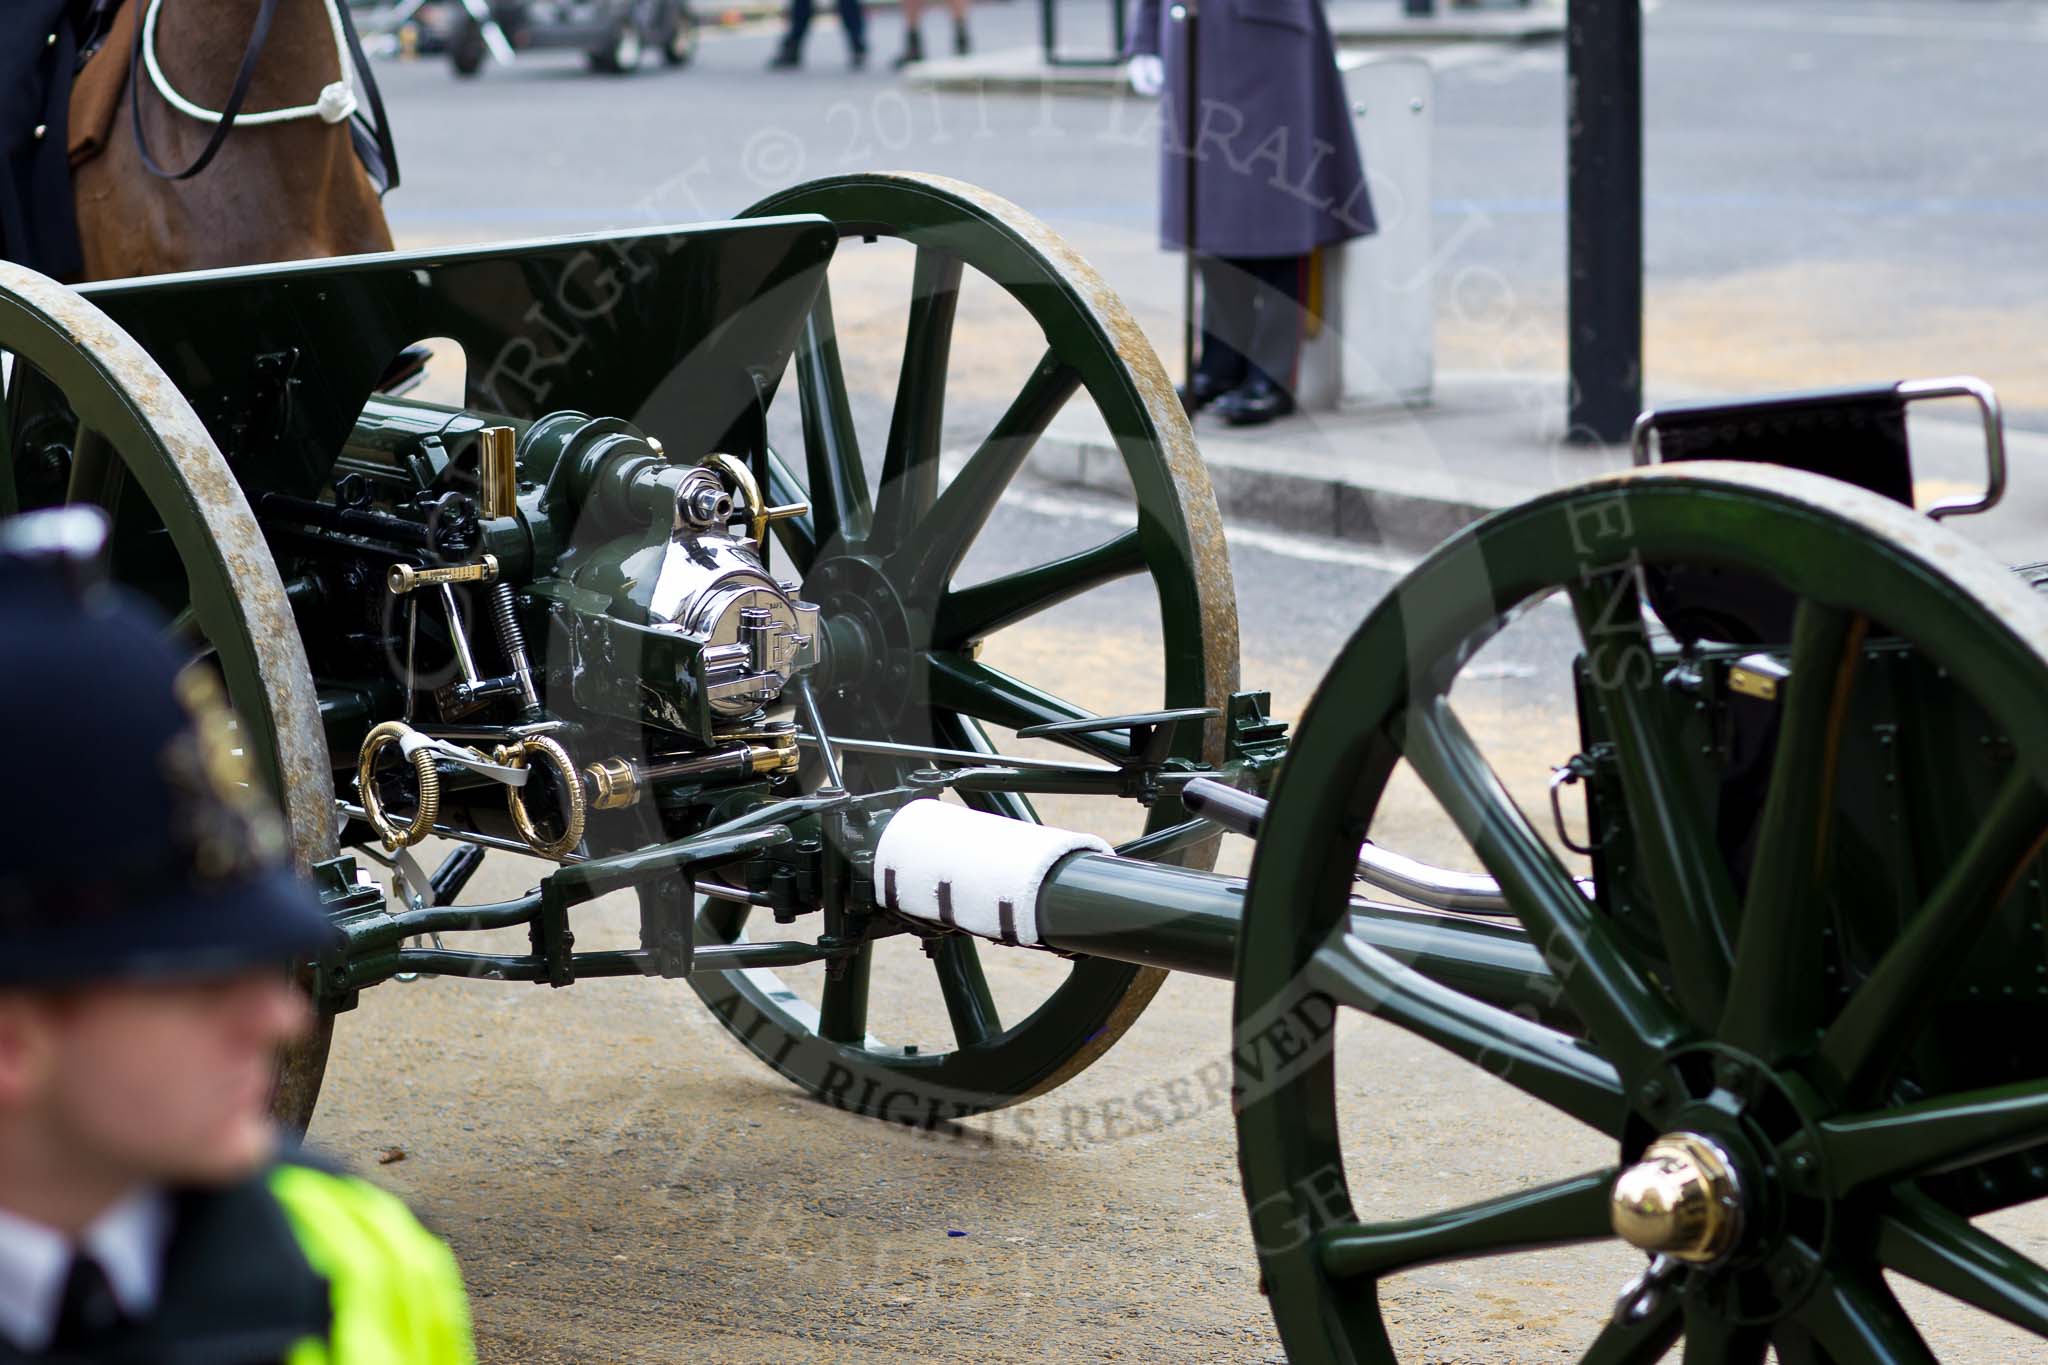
337,99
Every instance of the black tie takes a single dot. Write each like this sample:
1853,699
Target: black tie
88,1309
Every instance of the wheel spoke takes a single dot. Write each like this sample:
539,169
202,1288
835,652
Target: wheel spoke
1931,1135
1642,1340
1869,1035
97,475
968,614
1625,1014
968,1002
1551,1066
843,1006
1711,1339
1856,1319
1772,1008
798,536
1558,1214
988,694
962,732
840,508
943,538
910,460
1687,880
1942,1250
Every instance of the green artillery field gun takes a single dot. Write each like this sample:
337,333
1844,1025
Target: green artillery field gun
594,612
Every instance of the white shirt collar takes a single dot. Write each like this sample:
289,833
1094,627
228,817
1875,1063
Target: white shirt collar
127,1240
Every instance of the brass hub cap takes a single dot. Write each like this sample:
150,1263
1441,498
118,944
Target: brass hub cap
1681,1200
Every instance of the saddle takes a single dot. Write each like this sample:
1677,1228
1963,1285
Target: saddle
96,86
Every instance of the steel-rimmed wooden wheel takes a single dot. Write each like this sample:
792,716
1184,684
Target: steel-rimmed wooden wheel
137,435
1720,1043
885,558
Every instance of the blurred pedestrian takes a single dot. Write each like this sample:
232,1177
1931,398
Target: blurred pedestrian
146,923
1267,128
913,38
790,53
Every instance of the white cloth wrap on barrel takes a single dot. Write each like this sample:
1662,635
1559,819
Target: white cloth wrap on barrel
976,872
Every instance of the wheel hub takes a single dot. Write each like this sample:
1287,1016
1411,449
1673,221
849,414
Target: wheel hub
1681,1200
867,657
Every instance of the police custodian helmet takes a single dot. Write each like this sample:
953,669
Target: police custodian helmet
134,841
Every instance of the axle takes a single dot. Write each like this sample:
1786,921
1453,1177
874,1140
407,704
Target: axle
939,868
1188,921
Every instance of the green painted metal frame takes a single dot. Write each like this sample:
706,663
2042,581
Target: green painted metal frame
682,331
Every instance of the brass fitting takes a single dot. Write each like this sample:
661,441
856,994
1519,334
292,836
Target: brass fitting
759,513
614,783
429,778
1681,1200
497,460
403,578
556,759
776,757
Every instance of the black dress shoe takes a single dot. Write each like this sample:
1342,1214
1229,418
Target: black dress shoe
1205,390
785,59
1256,400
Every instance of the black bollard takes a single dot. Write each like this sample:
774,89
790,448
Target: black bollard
1604,207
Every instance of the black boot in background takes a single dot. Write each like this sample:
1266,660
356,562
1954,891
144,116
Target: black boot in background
913,49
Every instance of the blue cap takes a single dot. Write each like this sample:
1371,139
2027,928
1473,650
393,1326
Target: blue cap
135,841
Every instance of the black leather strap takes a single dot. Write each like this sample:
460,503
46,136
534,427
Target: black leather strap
251,54
380,125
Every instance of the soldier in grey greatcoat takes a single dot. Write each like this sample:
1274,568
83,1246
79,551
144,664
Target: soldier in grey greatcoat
1277,175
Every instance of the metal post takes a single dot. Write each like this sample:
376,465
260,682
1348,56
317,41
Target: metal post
1604,208
1190,12
1046,30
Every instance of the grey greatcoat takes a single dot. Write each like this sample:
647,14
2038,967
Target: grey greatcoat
1277,166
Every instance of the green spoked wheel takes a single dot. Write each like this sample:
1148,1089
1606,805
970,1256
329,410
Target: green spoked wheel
881,552
98,421
1782,1132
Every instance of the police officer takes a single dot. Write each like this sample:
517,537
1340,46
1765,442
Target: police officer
1267,127
146,920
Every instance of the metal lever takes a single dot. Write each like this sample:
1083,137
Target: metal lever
1439,888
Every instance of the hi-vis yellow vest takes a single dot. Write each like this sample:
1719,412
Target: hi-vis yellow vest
395,1288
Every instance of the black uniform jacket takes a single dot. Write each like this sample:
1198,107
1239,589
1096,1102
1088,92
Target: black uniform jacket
37,225
237,1289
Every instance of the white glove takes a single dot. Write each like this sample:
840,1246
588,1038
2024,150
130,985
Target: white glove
1147,74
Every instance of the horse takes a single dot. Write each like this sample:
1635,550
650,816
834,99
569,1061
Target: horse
271,191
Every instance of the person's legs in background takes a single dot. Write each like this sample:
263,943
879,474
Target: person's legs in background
854,20
913,40
791,53
1227,317
1276,284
